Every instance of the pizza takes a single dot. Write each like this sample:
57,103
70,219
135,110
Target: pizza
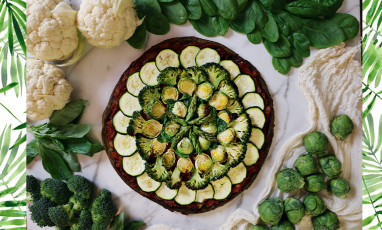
189,125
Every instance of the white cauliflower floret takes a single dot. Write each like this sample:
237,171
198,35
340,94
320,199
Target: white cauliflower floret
47,89
107,23
51,29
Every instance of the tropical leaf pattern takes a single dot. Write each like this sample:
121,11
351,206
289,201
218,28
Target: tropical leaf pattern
372,118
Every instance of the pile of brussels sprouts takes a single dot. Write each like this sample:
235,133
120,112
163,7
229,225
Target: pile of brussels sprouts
282,215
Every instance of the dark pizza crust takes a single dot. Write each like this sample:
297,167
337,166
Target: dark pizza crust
178,44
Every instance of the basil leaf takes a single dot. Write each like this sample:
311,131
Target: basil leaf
94,148
71,161
81,145
280,49
270,31
323,33
69,131
193,7
118,222
31,150
348,23
54,164
134,225
255,37
174,12
138,39
68,114
282,65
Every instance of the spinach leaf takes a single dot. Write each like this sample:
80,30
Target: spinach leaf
134,225
204,26
175,12
244,23
273,5
138,39
295,60
280,49
221,124
241,4
118,222
220,24
348,23
323,33
288,23
68,114
282,65
257,14
270,31
331,5
156,22
31,150
228,9
307,8
193,7
54,164
165,0
255,37
69,131
209,7
145,6
301,44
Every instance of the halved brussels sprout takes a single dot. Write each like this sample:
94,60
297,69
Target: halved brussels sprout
185,165
219,101
226,136
204,110
209,127
186,85
157,147
225,116
169,158
152,128
185,146
179,109
219,154
204,143
156,109
203,163
172,128
168,93
205,90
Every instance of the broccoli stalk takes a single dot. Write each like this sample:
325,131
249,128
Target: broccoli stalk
61,215
197,181
80,186
39,212
84,222
157,171
102,210
33,188
56,190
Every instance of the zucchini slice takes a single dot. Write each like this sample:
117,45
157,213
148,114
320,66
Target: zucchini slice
231,67
252,155
238,173
245,84
253,100
121,122
207,55
257,117
129,104
124,144
166,58
134,165
205,194
222,187
134,84
257,137
185,196
166,193
147,184
187,56
149,73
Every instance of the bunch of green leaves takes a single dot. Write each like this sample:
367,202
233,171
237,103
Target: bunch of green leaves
60,140
119,223
286,29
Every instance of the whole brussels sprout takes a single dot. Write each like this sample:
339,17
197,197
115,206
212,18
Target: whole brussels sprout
339,187
294,210
271,210
306,164
341,127
259,227
315,183
314,205
331,166
316,143
204,143
328,220
289,179
284,224
185,146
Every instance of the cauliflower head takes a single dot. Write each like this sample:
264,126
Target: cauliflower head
107,23
51,29
47,89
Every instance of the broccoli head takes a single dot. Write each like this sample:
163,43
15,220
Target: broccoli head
61,215
33,187
157,170
56,190
84,221
80,186
197,74
216,73
174,181
228,88
170,75
79,203
102,210
136,124
148,94
197,181
39,212
218,170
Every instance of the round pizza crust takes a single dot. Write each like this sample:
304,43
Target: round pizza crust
177,45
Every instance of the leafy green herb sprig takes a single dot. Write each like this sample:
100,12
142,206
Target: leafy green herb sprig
286,28
60,140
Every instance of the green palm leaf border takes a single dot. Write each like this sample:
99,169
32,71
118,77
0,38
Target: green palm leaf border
372,128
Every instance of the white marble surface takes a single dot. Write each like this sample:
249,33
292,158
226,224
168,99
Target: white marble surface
94,78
